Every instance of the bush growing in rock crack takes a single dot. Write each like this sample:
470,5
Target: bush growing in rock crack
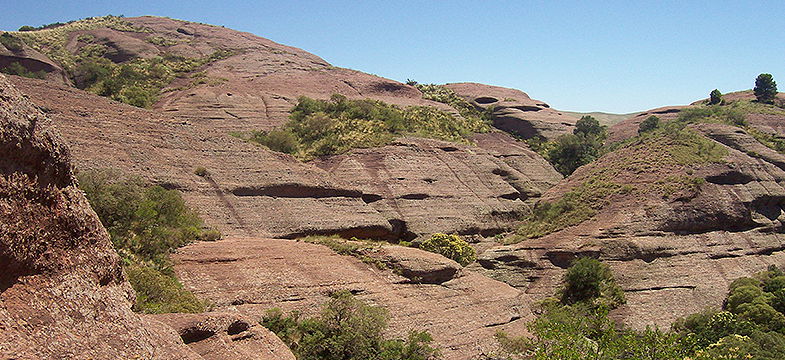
450,246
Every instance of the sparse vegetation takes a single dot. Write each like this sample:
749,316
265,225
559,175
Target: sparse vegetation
450,246
346,329
160,41
319,127
352,247
146,223
443,94
765,88
200,171
571,151
15,68
138,82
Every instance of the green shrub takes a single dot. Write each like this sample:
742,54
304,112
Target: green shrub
589,126
157,293
569,152
200,171
649,124
575,332
450,246
347,328
445,95
26,28
590,281
12,43
765,88
715,97
146,223
15,68
319,127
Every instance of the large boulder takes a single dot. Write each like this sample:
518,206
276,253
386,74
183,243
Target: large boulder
515,112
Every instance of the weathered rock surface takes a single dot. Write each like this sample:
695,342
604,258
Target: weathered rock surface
673,254
417,265
62,290
425,186
252,275
245,183
515,112
226,336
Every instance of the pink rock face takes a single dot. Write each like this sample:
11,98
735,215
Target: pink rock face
515,112
253,275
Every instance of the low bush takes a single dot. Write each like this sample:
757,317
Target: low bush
146,223
320,127
200,171
347,328
450,246
591,282
715,97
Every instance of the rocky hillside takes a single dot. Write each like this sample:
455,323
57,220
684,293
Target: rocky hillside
62,290
678,213
366,193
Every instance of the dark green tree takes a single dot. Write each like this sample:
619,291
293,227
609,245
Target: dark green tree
715,97
651,123
588,125
765,88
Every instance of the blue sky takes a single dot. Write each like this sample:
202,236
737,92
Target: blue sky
613,56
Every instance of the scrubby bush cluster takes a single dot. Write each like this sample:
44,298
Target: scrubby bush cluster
591,282
138,82
450,246
146,223
325,127
445,95
751,324
649,124
15,68
347,329
571,151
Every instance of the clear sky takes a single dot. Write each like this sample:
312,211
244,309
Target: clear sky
612,56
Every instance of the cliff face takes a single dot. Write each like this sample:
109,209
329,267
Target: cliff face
62,290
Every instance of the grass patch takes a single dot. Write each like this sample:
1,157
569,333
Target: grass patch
12,43
160,41
576,206
146,223
320,127
352,247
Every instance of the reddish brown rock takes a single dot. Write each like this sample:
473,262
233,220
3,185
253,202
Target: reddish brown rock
32,61
226,336
426,186
244,185
62,290
418,266
251,276
629,128
515,112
